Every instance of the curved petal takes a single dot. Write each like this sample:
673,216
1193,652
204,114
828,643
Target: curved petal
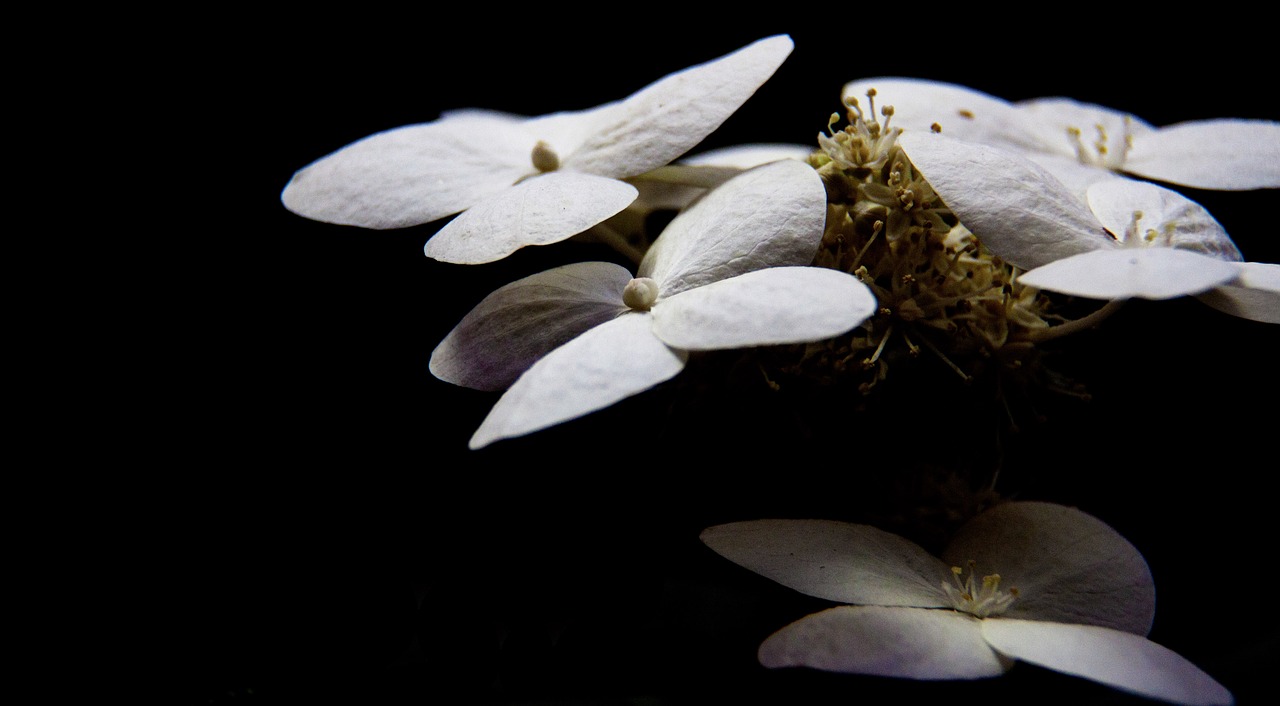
545,209
1227,154
1143,272
769,216
1254,295
910,643
666,119
1015,208
608,363
1052,120
1118,659
963,113
766,307
837,561
1068,566
1177,221
521,322
414,174
1075,176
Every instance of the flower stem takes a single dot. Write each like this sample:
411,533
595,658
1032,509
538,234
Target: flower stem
1080,324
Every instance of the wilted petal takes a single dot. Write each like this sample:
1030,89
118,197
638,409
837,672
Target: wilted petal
765,217
518,324
1176,220
1142,272
1067,565
837,561
1254,294
1223,154
1015,208
608,363
415,174
911,643
962,112
672,115
765,307
545,209
1118,659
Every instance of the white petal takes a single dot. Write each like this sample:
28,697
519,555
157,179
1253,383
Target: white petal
608,363
1075,176
1067,565
666,119
545,209
1177,220
911,643
415,174
837,561
518,324
1254,295
1142,272
1015,208
1049,120
765,307
1112,657
750,155
962,112
1211,154
769,216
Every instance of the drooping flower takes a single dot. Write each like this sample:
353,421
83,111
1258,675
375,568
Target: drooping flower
726,273
1126,239
521,181
1081,143
1071,595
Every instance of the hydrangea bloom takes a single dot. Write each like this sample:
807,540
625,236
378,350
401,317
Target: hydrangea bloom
726,273
1081,143
1131,239
526,181
1071,595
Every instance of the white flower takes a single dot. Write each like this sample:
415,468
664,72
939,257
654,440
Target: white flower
724,274
1070,595
1131,239
1081,143
526,181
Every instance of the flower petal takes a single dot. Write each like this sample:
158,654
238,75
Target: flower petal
765,217
545,209
517,324
1142,272
1223,154
1015,208
1254,295
608,363
911,643
963,113
765,307
1052,120
1176,220
1113,657
666,119
837,561
1068,566
414,174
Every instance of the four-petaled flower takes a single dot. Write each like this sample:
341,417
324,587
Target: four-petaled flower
726,273
1071,595
526,181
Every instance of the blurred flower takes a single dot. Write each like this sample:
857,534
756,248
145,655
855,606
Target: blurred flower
1079,600
724,274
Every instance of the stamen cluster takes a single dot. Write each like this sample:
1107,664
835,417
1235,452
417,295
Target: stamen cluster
979,601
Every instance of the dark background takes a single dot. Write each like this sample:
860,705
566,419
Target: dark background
323,534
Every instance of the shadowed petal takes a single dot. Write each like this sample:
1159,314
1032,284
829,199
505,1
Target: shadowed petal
962,112
1051,121
1176,220
1223,154
912,643
608,363
1254,295
766,307
837,561
1143,272
521,322
1118,659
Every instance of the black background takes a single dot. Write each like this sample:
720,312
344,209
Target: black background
316,530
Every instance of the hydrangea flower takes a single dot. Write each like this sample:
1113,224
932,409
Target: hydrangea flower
726,273
521,181
1071,595
1131,239
1081,143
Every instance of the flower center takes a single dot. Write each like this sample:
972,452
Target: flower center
864,143
980,601
544,158
1106,150
640,293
